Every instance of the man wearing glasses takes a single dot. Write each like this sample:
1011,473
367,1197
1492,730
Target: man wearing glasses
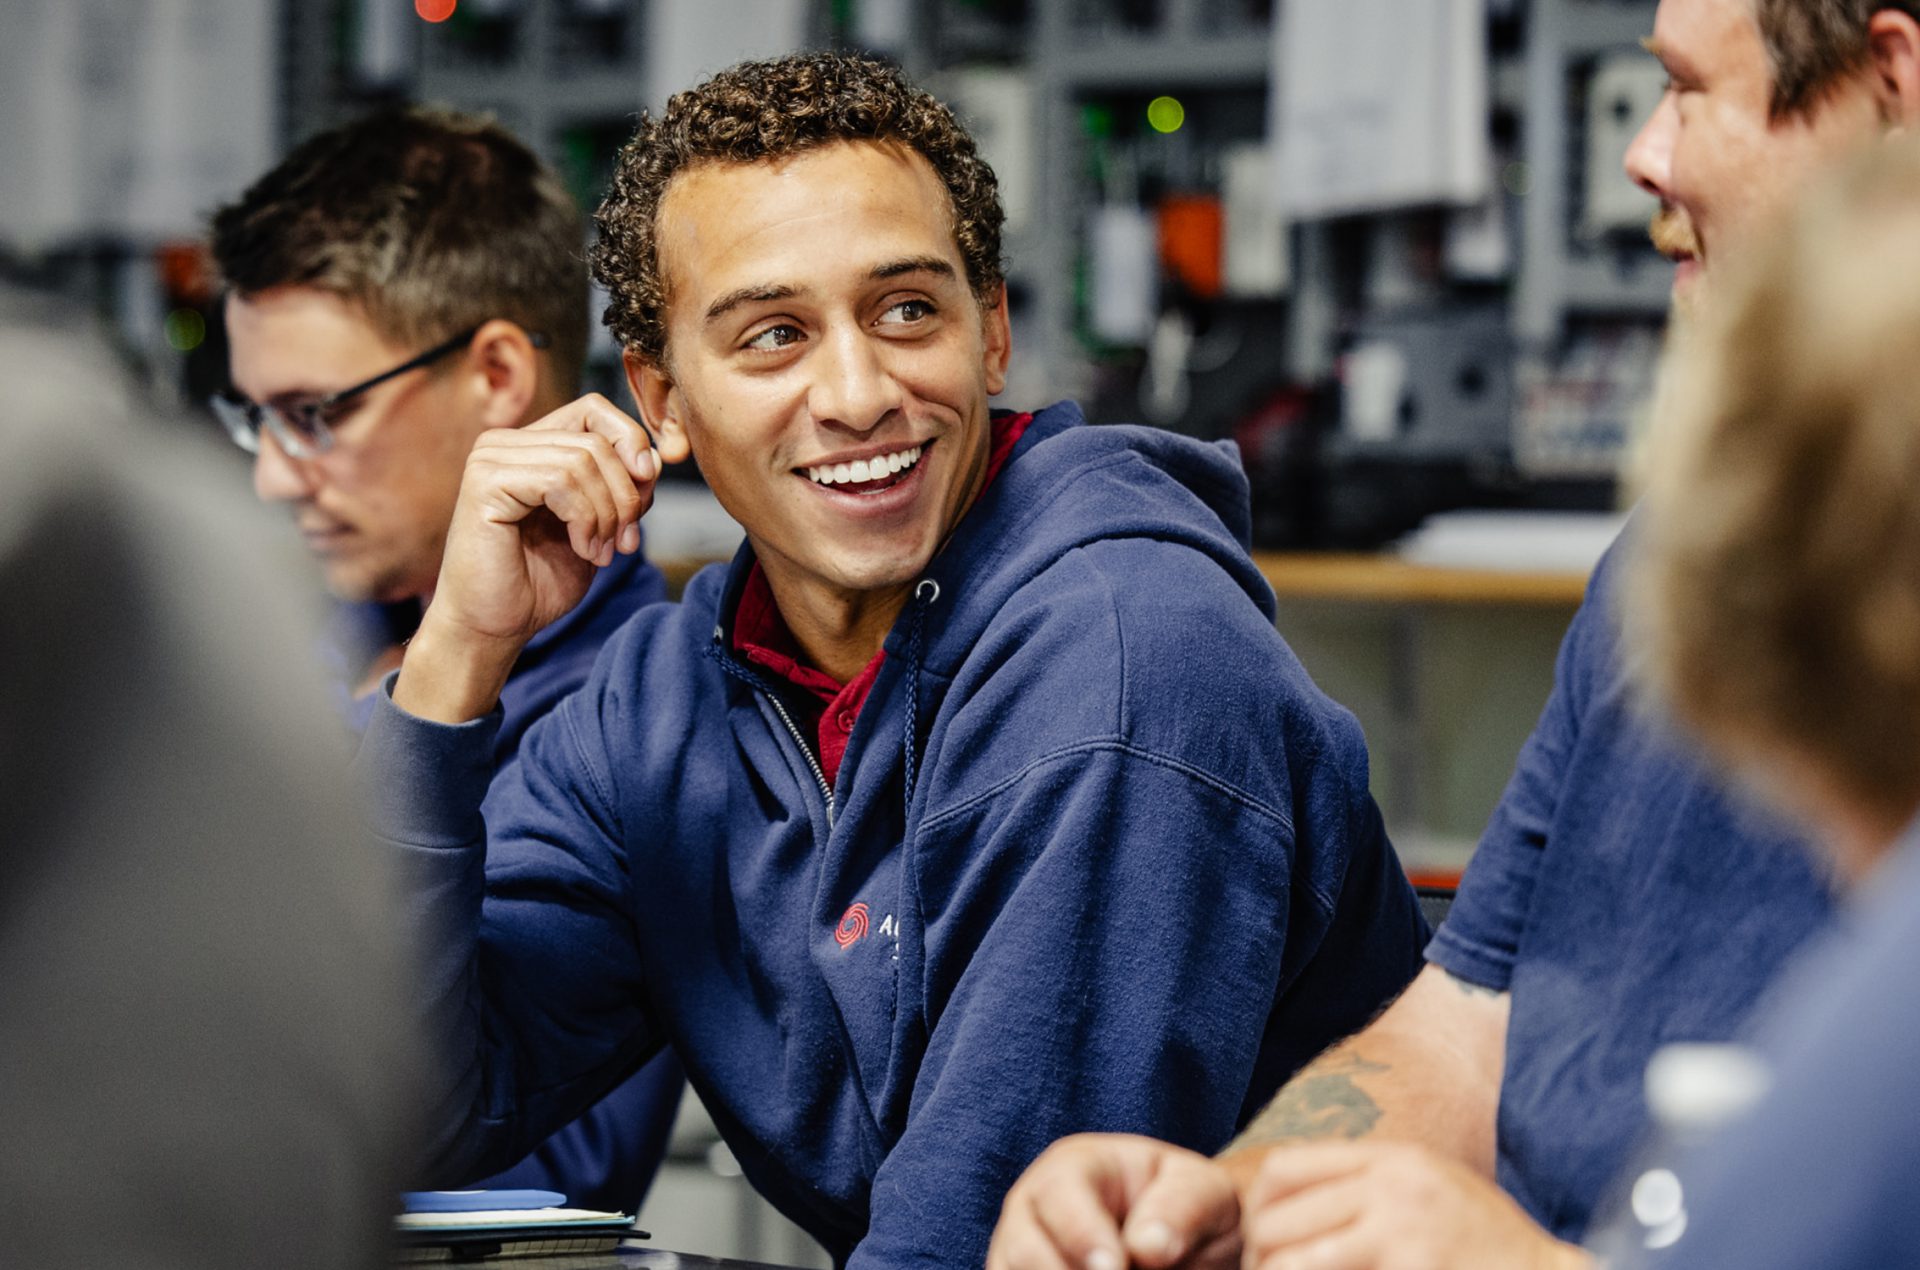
396,287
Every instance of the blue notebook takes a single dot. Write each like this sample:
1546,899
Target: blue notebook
470,1225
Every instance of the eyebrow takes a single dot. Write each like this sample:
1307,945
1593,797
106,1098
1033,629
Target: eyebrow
746,295
1676,65
285,397
761,294
913,264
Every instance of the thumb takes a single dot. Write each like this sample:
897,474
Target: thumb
1188,1205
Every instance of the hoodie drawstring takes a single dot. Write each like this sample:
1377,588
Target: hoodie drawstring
924,597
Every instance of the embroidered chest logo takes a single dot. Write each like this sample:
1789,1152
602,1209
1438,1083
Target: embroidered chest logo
853,926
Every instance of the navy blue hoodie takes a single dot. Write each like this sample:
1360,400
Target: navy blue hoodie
1099,857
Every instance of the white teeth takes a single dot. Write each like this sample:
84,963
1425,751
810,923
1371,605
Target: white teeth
862,470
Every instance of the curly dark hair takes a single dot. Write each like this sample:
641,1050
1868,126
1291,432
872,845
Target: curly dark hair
771,109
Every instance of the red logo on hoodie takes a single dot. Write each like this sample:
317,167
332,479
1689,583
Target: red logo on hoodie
852,928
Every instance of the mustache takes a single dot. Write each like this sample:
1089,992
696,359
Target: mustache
1672,233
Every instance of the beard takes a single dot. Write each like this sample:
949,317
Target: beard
1674,237
1672,232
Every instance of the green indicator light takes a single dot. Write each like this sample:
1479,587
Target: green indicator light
186,330
1166,114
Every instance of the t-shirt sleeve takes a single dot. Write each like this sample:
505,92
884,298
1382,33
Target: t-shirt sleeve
1480,939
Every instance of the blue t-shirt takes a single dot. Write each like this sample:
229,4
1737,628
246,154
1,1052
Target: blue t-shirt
1626,902
1826,1171
607,1157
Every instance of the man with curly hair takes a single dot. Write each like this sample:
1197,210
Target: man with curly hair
977,801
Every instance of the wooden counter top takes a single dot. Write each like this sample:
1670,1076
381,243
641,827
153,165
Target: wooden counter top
1359,577
1382,579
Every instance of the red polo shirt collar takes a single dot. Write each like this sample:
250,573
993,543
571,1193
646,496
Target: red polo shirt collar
761,636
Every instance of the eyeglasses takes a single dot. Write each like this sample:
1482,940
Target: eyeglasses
304,428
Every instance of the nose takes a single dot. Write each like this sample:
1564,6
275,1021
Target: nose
1649,160
852,384
278,477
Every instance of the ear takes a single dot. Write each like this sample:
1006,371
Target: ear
1893,49
506,374
661,404
997,333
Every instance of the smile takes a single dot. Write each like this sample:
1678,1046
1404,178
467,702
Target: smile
877,472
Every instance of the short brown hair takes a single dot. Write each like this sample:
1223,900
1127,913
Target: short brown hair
431,221
771,109
1812,43
1776,590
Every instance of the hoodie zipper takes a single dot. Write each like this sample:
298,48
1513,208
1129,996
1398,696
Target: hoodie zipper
812,762
754,682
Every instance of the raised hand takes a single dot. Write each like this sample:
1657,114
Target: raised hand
540,508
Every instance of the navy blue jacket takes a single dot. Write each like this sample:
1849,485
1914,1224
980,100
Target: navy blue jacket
1099,856
607,1157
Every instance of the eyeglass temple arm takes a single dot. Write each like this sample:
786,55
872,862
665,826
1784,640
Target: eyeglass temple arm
538,339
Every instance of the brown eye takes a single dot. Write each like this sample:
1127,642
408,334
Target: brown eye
907,311
774,338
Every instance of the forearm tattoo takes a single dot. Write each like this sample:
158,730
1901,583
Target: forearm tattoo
1321,1102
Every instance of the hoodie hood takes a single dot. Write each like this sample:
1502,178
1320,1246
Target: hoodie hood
1069,484
1066,485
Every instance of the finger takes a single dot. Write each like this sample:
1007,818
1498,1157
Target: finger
629,438
1219,1253
1026,1249
1349,1249
1305,1217
1068,1228
1073,1197
630,498
1295,1169
1189,1203
517,479
588,464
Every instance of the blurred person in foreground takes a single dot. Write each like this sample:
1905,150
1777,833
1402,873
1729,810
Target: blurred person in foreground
206,1063
1619,899
975,802
1777,597
395,288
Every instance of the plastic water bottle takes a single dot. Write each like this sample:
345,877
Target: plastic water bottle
1692,1091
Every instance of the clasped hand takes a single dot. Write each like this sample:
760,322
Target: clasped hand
1104,1202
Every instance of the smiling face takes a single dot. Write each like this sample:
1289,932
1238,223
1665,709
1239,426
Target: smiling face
827,364
1720,163
374,508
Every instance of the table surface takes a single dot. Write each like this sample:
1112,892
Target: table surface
1361,577
628,1258
1370,578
